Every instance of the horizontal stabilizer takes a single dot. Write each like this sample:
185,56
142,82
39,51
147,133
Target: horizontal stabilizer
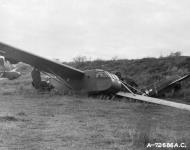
155,100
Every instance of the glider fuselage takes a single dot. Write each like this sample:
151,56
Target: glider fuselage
99,81
95,81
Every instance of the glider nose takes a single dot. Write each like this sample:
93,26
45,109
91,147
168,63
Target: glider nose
116,84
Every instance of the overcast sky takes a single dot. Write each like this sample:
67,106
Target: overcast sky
96,28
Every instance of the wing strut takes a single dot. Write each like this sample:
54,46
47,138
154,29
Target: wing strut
127,88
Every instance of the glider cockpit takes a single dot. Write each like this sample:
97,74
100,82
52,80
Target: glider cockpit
102,74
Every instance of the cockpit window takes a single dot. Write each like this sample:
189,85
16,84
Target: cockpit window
113,76
101,75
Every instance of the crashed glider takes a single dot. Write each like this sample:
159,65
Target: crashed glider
93,81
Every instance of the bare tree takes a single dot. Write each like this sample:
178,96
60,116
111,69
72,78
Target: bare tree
79,60
175,54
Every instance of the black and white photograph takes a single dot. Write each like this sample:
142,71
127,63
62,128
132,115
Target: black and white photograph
95,75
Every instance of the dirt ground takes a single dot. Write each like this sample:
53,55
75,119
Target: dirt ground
35,121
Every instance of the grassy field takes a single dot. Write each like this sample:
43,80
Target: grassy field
32,121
